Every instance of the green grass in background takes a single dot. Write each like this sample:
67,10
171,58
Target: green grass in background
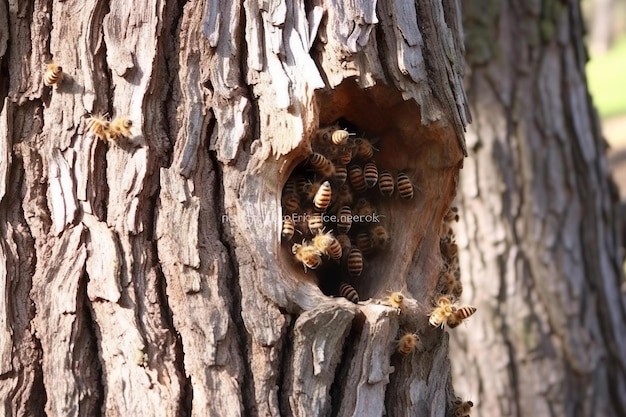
606,75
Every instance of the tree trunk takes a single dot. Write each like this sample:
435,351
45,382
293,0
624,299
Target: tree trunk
143,274
539,248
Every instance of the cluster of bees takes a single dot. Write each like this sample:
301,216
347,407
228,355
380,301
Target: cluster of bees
328,213
99,126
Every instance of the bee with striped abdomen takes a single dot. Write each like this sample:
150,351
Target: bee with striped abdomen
460,314
370,174
315,221
308,254
322,165
341,174
348,292
322,197
355,262
405,186
357,179
344,219
288,228
119,129
363,148
385,183
53,74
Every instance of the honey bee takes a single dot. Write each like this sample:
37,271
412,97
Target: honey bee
385,183
344,219
357,180
98,126
370,174
364,148
408,343
322,197
460,314
327,244
315,222
53,74
364,243
291,203
119,129
322,165
344,156
405,187
452,215
442,312
308,254
347,291
395,300
288,228
461,408
379,236
355,262
341,174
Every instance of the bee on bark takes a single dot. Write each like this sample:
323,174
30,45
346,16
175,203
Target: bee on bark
370,174
405,187
98,126
442,312
348,292
288,228
364,148
53,74
341,174
355,262
379,236
308,254
344,219
460,314
322,165
452,215
408,343
395,300
385,183
322,197
119,129
357,180
315,222
461,408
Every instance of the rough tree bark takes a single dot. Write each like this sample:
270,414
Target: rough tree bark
539,251
146,277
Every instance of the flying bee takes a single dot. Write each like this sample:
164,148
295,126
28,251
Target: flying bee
322,197
288,228
364,243
379,236
53,74
347,291
364,148
461,408
405,187
322,165
385,183
344,219
460,314
363,208
119,129
370,174
341,174
291,203
98,126
355,262
357,180
344,156
408,343
442,312
307,254
395,300
315,222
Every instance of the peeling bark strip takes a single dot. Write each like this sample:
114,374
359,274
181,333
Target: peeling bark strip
151,269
